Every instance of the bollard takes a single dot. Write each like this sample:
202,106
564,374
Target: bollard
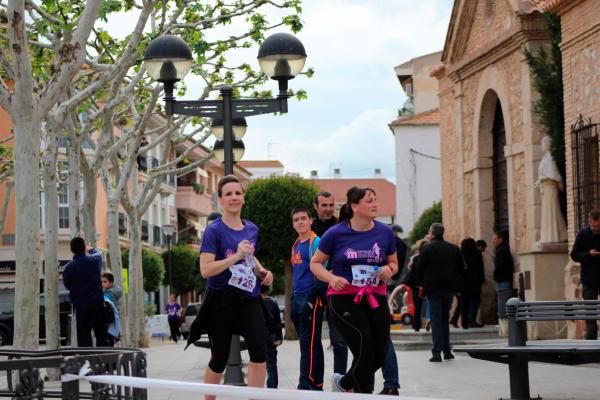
233,372
518,365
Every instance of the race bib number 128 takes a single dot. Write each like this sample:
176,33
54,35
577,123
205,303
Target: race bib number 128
242,278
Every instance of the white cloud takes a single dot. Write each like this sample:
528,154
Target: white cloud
356,148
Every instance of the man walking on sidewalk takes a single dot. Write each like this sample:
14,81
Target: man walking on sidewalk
586,251
439,272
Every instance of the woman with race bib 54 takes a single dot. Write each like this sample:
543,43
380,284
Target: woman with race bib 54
363,252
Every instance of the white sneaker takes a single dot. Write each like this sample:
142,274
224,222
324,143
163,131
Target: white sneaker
335,383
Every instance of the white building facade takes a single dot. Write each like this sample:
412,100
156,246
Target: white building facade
417,141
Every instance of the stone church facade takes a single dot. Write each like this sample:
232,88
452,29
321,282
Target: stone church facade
490,139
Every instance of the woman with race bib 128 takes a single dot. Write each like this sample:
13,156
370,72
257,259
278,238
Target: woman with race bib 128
363,252
232,303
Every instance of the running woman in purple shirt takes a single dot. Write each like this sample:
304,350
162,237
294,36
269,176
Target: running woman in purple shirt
363,252
232,302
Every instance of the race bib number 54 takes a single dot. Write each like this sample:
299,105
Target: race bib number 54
365,275
242,278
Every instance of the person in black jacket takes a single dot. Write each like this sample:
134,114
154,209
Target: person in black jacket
274,337
503,274
586,251
474,278
324,204
503,261
82,278
439,272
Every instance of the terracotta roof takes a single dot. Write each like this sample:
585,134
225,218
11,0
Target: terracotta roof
547,5
261,164
425,118
386,191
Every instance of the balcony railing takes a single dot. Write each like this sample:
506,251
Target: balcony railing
156,235
142,163
144,231
186,198
122,224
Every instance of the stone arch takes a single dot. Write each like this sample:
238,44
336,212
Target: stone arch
492,90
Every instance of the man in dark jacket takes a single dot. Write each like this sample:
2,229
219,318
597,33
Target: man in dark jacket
82,278
503,275
439,272
586,251
503,261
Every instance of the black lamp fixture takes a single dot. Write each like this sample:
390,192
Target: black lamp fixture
168,59
239,126
281,57
238,150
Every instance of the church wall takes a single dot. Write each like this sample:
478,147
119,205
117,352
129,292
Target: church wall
581,79
493,19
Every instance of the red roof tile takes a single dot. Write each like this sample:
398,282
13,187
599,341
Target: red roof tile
546,5
425,118
385,190
261,164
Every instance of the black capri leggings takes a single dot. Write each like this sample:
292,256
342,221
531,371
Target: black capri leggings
232,312
367,331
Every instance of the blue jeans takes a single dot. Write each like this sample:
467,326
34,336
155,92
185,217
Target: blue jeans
308,323
390,368
340,348
272,377
439,307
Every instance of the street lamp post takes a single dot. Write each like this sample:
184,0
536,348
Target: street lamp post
281,57
168,231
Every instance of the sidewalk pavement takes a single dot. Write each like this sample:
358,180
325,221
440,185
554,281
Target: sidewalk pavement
461,378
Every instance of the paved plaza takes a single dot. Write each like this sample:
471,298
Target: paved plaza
461,378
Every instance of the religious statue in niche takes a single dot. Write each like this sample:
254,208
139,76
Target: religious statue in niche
553,228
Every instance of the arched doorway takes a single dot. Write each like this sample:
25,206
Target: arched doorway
500,181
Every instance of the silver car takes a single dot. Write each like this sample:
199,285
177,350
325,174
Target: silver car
189,313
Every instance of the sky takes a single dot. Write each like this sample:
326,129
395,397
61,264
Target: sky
353,45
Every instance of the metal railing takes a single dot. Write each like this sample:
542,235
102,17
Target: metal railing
585,144
29,383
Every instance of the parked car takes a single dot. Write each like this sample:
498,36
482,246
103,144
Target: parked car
7,322
187,317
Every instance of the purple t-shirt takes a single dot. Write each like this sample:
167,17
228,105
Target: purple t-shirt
222,241
347,247
172,310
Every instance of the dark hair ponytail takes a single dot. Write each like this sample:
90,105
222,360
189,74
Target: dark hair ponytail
345,213
354,195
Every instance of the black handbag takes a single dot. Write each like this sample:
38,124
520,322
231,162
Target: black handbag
108,314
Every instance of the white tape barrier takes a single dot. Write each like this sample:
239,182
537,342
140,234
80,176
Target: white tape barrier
242,392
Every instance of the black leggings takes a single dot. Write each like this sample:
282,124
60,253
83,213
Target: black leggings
230,313
367,331
174,327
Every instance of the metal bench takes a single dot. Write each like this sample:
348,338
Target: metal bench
518,351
